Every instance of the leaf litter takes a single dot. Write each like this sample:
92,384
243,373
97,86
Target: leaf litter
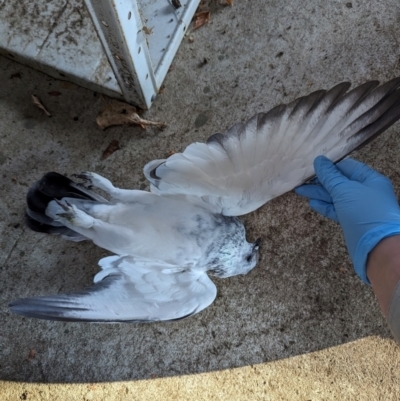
120,113
203,13
111,148
37,102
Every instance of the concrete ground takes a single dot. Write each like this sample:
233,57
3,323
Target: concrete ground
301,326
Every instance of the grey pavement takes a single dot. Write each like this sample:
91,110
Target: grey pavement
301,325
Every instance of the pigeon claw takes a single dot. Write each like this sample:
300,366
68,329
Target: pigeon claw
69,214
74,216
65,205
86,177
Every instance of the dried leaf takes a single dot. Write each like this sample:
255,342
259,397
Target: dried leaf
229,2
111,148
147,31
32,354
119,113
16,75
201,19
36,101
54,93
135,119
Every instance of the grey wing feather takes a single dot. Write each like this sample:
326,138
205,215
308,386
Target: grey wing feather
236,172
127,290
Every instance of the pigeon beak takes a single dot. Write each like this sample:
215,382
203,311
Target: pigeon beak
257,244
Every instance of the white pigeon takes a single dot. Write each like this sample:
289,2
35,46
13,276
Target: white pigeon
167,241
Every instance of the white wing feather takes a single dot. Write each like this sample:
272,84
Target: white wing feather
127,290
237,172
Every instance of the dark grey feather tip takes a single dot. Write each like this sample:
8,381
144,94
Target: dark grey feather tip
216,138
153,173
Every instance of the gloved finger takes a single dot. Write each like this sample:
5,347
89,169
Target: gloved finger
356,171
317,192
324,208
328,174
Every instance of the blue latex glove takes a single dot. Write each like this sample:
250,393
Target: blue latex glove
360,199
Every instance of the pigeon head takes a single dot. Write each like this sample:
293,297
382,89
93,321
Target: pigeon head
233,256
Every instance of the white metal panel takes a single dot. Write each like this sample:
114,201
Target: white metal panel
56,37
120,47
168,26
119,27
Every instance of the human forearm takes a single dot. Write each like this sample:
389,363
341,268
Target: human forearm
364,203
383,270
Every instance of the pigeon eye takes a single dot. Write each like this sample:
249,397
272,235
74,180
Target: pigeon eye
248,259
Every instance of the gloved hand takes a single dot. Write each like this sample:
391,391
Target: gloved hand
360,199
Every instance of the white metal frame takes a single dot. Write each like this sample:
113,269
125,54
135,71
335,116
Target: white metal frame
126,53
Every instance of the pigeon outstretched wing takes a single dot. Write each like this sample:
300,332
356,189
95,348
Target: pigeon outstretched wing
127,290
237,172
